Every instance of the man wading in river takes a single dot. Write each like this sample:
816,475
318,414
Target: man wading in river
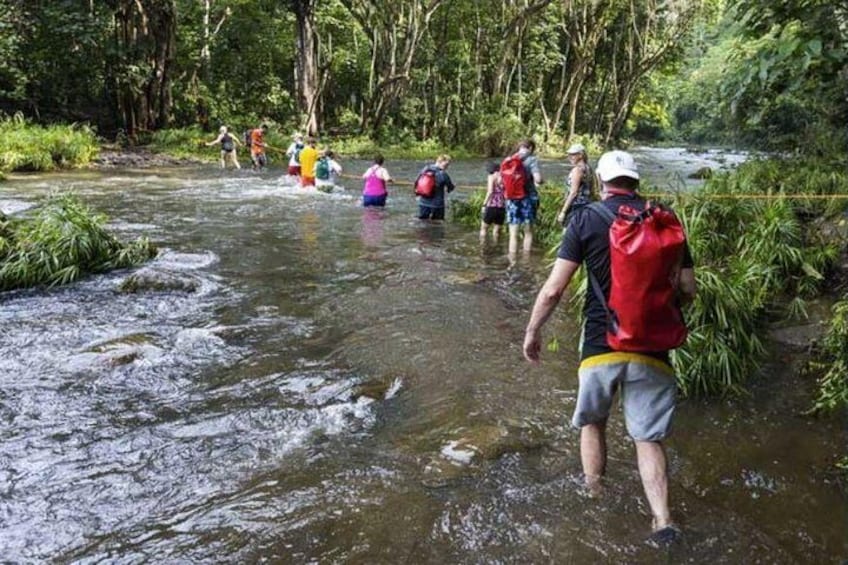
632,319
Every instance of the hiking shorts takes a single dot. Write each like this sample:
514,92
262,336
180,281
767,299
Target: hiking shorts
307,181
294,170
494,215
259,159
648,391
521,211
430,213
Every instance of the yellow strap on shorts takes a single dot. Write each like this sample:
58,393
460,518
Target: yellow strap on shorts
625,357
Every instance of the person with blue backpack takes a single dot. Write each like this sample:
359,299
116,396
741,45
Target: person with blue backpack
327,171
640,271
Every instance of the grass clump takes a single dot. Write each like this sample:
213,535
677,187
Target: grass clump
32,148
62,241
756,261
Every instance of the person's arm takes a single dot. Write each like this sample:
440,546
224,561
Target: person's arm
536,171
448,183
216,140
687,287
386,176
335,167
546,301
490,189
574,180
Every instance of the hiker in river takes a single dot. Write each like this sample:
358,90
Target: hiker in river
521,176
374,190
327,170
258,147
494,204
228,147
293,153
308,159
431,186
641,282
579,184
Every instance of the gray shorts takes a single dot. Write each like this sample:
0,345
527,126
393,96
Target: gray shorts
648,391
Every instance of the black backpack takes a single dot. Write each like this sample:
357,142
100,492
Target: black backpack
247,138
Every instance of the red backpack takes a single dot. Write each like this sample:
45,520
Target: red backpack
425,184
646,252
514,178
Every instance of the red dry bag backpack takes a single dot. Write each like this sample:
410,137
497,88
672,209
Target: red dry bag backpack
514,178
646,253
425,185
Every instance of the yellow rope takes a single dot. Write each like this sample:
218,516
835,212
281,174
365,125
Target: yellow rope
665,195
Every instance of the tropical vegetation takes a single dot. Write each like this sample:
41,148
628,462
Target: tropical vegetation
32,147
62,241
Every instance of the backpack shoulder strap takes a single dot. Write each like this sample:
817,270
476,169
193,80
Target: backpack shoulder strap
609,217
604,212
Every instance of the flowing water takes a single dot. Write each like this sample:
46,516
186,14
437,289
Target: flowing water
347,385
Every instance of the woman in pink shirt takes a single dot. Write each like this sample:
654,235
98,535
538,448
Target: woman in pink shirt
376,178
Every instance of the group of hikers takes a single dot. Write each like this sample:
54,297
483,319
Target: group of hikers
512,195
308,166
639,269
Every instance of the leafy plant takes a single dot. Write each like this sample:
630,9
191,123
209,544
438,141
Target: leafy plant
29,147
60,243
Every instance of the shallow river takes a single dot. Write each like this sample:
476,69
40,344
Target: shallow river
348,385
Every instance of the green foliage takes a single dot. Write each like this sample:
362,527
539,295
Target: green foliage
405,147
833,360
60,243
767,75
28,147
497,135
751,254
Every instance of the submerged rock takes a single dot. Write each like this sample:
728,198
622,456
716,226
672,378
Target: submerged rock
118,351
150,280
376,389
489,442
702,173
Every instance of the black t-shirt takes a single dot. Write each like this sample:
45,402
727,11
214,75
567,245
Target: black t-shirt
587,240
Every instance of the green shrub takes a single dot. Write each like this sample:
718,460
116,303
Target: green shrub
30,148
61,242
833,360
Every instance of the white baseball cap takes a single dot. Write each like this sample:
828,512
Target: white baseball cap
614,164
576,148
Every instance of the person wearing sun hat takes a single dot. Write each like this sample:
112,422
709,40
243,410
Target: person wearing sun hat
646,379
579,191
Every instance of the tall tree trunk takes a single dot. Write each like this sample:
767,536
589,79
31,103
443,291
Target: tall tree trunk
308,83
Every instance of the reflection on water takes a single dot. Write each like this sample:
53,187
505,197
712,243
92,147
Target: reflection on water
347,384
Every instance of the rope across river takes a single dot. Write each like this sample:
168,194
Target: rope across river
666,195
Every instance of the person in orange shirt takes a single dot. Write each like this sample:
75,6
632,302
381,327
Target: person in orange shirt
308,158
258,146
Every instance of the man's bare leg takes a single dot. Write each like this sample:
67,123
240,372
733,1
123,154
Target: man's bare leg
593,453
654,472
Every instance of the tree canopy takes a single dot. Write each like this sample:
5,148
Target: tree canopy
474,72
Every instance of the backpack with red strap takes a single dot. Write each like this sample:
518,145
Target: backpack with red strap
514,178
646,253
425,184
